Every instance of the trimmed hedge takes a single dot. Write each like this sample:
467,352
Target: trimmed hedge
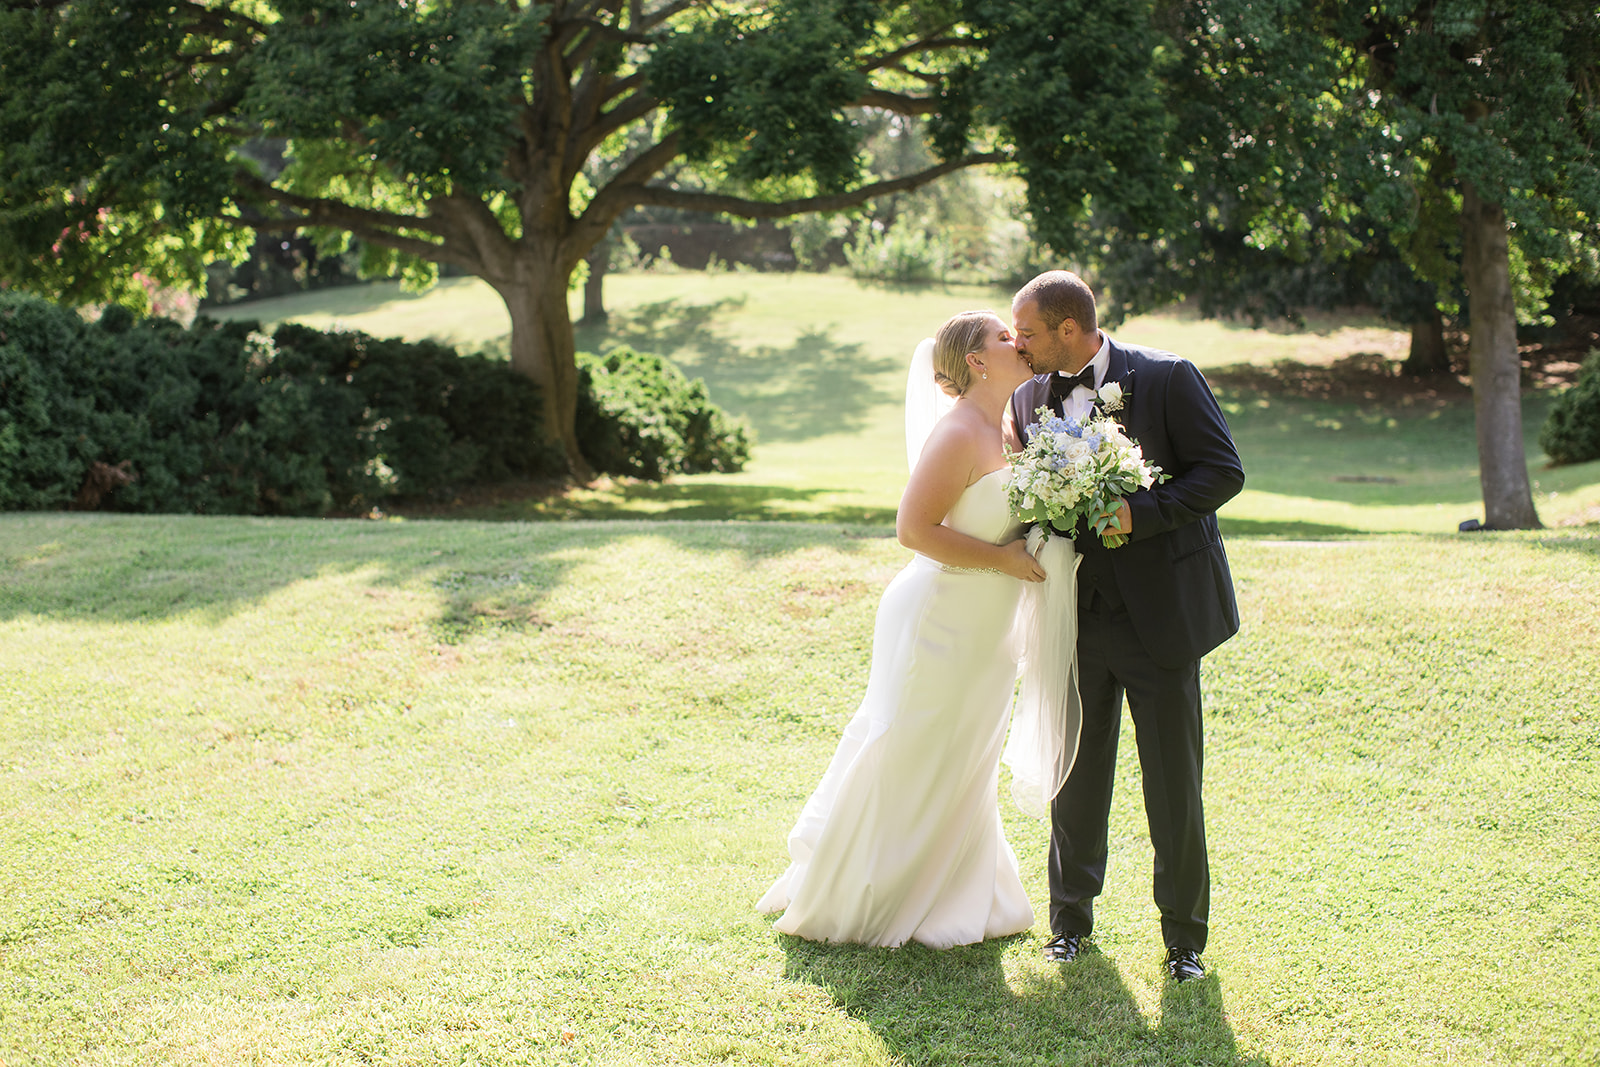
195,415
639,416
218,419
431,420
1571,432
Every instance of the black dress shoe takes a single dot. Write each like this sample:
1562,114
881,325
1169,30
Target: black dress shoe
1063,948
1184,964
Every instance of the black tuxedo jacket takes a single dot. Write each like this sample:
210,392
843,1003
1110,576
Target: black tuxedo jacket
1173,572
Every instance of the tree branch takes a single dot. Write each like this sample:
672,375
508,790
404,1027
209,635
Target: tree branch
586,140
896,102
661,196
928,44
334,212
580,9
436,253
598,29
620,192
217,20
623,86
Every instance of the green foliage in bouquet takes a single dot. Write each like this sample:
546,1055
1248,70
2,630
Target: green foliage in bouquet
1073,470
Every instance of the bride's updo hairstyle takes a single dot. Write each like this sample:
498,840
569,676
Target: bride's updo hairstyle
962,334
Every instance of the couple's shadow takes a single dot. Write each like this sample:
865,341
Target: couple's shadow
956,1006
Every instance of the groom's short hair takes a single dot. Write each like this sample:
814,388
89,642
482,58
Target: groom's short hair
1060,294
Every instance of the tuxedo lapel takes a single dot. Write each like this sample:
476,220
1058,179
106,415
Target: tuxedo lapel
1135,414
1117,365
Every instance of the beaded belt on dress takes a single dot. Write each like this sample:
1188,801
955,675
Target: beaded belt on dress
950,569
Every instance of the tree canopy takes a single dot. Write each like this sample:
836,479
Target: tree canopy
1415,152
441,132
1174,144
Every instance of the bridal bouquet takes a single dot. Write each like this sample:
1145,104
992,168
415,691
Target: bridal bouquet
1073,470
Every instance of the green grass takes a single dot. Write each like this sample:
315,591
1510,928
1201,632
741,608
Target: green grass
413,792
816,363
350,792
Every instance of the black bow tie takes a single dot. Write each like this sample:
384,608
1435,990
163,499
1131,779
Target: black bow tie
1061,386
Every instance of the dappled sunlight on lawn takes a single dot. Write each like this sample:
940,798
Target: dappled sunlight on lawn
813,386
120,568
1332,435
712,497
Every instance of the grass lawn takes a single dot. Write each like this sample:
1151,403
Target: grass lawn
296,791
817,364
505,792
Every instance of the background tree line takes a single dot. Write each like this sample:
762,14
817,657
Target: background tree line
1437,154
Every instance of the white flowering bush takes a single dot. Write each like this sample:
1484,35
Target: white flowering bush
1071,470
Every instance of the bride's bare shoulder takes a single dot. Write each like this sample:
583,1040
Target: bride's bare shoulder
961,430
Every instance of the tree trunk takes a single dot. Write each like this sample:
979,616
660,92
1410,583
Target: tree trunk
1495,367
594,307
542,349
1428,355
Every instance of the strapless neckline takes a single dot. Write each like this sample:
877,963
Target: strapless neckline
982,510
991,474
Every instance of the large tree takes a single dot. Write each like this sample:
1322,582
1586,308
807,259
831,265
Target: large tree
1490,112
457,132
1333,143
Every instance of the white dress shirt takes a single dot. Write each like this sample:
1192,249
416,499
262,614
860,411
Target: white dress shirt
1077,405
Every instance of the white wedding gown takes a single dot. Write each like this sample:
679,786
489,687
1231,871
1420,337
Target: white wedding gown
902,838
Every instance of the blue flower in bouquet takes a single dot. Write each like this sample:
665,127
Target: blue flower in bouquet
1072,470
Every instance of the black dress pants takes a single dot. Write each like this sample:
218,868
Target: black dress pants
1165,705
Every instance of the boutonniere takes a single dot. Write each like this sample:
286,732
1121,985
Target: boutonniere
1114,396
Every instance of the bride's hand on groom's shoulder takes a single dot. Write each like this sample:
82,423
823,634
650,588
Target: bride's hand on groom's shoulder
1019,563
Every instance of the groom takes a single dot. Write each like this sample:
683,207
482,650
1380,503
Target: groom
1147,612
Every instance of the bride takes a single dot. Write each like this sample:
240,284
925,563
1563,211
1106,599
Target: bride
902,839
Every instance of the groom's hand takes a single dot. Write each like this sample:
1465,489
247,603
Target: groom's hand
1124,520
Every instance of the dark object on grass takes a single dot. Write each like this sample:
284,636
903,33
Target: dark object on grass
1064,948
1470,526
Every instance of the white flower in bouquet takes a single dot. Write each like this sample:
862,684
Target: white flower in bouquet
1072,470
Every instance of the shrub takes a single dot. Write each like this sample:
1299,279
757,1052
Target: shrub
435,420
181,408
903,253
1571,432
217,419
638,415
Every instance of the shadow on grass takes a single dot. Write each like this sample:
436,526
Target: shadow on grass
811,388
955,1006
120,568
1285,529
1584,540
681,500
